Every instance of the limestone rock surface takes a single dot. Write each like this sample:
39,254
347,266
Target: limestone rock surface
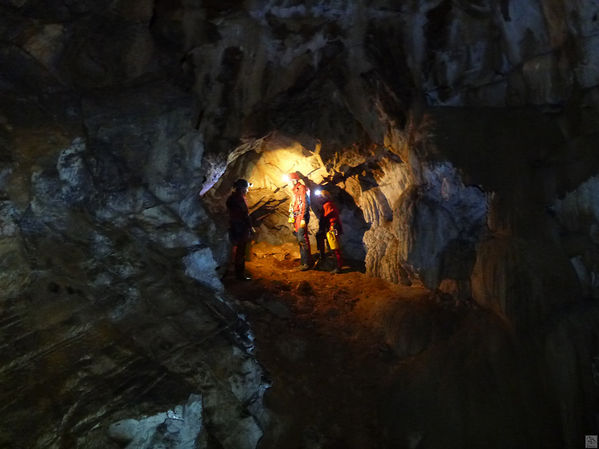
457,137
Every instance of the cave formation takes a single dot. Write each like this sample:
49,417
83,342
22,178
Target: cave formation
458,138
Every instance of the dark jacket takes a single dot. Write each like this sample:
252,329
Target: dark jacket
240,224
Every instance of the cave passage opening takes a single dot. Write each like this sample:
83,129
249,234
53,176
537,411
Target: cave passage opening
406,219
331,341
266,165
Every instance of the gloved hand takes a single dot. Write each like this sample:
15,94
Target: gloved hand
302,224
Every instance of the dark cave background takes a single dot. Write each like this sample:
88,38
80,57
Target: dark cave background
460,136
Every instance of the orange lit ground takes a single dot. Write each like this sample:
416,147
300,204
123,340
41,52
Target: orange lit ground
321,338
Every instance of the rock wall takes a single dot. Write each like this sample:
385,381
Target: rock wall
111,299
458,136
578,216
98,302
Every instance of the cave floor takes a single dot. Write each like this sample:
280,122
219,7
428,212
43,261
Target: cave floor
320,336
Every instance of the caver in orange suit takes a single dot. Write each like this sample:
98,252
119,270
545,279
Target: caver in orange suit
299,215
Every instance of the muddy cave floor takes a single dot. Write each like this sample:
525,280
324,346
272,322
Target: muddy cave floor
322,340
334,347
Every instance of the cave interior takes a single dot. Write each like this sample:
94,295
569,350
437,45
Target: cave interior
458,139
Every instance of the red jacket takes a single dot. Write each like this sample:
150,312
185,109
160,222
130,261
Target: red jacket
331,215
300,206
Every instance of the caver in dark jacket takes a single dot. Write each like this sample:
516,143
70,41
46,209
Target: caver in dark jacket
240,225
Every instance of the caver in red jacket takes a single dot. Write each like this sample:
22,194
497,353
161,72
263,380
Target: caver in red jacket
328,221
299,215
300,206
331,216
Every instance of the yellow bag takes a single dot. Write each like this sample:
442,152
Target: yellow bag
333,240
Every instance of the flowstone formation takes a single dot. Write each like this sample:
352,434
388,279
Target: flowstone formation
457,136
